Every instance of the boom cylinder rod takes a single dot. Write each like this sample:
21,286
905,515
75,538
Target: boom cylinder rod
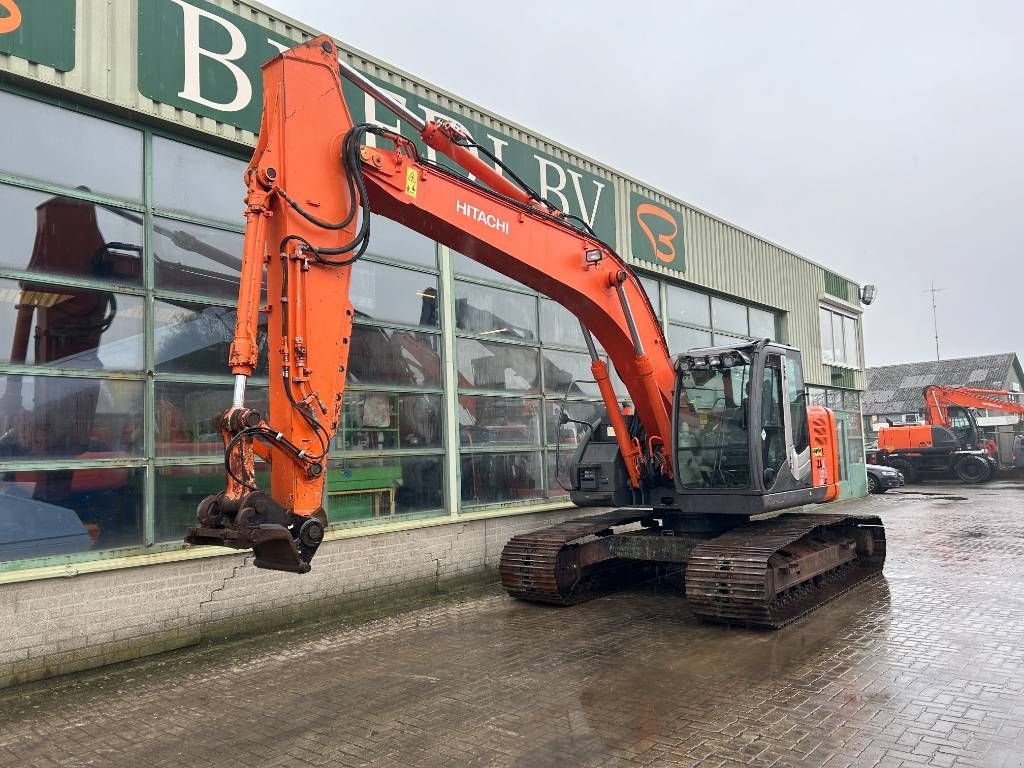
589,338
627,310
370,89
238,396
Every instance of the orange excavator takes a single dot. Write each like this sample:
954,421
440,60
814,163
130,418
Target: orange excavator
949,443
721,439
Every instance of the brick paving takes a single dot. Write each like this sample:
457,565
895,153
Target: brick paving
924,666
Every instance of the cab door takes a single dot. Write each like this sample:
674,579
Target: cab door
782,444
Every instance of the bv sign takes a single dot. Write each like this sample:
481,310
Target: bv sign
656,232
198,57
41,31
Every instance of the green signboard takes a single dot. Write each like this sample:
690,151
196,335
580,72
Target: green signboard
41,31
656,232
197,56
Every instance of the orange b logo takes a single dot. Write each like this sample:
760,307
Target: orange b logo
12,20
663,244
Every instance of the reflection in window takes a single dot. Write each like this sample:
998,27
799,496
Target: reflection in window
728,316
573,432
64,327
560,326
392,294
67,511
45,142
686,306
506,367
712,441
193,259
492,478
377,421
194,338
69,418
387,356
493,312
839,342
179,490
187,416
568,373
393,241
197,181
722,340
762,324
498,421
65,236
682,339
380,489
650,286
466,266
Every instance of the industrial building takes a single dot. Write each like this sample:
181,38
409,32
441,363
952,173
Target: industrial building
127,129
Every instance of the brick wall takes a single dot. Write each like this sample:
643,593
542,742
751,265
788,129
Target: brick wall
61,625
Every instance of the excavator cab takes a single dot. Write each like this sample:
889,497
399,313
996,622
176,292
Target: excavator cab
742,427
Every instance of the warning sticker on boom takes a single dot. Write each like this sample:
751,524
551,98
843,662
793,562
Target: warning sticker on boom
411,180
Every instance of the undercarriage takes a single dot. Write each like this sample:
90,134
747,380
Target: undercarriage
765,573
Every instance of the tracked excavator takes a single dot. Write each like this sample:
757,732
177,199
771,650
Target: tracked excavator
720,442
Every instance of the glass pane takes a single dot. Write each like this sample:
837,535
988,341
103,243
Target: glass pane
196,181
381,489
493,312
573,432
728,316
507,367
393,241
682,339
722,339
64,236
60,327
817,396
45,142
387,356
187,416
179,491
498,421
66,418
67,511
568,373
492,478
560,326
466,266
557,471
762,324
194,259
393,294
797,397
773,432
838,338
381,420
653,293
850,334
687,306
825,324
712,440
194,338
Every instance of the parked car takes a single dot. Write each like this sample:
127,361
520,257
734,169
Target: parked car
881,478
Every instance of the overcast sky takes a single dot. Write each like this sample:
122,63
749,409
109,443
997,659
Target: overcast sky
882,139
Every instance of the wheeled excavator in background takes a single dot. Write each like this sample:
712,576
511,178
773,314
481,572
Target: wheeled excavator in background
949,443
722,438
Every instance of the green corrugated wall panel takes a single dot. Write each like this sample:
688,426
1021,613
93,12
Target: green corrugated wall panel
836,285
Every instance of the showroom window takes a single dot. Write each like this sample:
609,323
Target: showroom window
104,278
697,319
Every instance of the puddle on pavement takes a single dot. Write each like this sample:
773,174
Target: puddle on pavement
931,495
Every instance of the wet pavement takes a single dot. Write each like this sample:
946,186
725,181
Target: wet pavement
923,666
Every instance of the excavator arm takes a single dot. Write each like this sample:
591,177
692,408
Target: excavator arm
313,185
938,399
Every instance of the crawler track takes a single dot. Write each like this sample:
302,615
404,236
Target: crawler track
763,574
732,578
561,565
